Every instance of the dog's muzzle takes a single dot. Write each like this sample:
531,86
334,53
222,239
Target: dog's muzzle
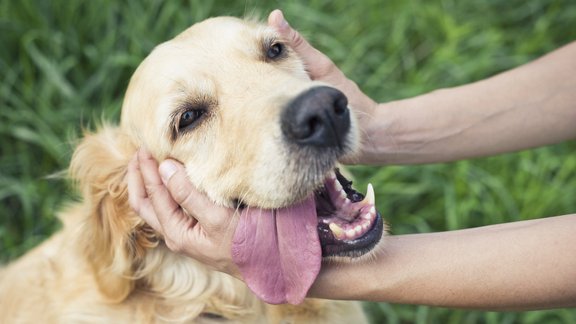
318,117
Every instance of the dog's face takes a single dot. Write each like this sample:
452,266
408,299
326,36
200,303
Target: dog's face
214,98
230,100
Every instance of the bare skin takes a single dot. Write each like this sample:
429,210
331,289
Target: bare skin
514,266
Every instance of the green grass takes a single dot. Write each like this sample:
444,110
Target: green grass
65,65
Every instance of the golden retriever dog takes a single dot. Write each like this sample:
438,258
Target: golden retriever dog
231,101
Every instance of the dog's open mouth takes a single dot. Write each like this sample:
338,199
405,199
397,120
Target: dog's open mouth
348,223
279,251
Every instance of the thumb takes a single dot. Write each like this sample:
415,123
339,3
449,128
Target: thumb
195,203
165,210
176,180
318,65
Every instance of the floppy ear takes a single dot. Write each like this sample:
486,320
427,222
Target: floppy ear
114,238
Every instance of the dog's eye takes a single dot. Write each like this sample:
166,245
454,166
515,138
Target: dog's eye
189,117
275,50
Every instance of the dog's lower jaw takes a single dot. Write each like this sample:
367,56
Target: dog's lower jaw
348,223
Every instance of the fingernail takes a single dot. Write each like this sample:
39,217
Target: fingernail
167,169
283,23
278,21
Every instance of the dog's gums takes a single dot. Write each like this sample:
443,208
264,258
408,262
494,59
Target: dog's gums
348,223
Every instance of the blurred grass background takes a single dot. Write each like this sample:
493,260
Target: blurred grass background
64,65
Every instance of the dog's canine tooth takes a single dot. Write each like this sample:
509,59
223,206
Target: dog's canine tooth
369,199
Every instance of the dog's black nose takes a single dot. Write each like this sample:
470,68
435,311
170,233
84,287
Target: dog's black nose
318,117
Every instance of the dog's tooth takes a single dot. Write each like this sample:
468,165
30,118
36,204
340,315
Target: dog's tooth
337,231
370,216
365,226
347,202
332,175
369,199
343,195
338,186
351,233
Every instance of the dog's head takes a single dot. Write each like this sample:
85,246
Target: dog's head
235,105
231,101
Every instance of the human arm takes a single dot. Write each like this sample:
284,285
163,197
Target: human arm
521,265
529,106
526,107
515,266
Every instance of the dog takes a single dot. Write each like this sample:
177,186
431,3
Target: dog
231,101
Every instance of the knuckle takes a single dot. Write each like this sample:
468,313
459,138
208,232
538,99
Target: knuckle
179,190
297,40
152,189
182,196
216,225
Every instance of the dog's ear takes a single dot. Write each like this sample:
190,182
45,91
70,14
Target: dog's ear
114,238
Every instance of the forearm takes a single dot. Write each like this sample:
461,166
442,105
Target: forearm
529,106
514,266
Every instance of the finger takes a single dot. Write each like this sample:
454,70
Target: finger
136,190
318,64
186,195
137,196
167,211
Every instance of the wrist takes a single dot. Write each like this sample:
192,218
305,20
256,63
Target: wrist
408,131
368,278
378,135
364,110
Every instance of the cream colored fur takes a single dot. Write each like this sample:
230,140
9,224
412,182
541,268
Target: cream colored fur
106,265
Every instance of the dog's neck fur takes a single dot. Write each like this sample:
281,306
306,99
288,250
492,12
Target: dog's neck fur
125,255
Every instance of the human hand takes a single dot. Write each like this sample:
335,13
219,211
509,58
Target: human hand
189,222
321,68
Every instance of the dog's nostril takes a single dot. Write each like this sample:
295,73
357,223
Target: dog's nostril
341,106
313,125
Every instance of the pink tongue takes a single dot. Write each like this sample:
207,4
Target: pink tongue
278,251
